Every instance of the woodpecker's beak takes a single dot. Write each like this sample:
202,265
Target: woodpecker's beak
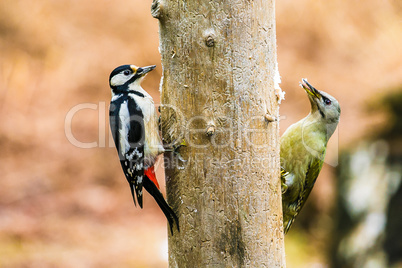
310,89
141,71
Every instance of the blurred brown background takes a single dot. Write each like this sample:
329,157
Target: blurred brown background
65,206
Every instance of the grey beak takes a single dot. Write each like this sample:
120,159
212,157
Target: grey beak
144,70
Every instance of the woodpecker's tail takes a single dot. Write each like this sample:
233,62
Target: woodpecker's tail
169,213
138,192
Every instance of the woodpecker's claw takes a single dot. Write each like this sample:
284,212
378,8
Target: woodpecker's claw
284,187
175,150
181,144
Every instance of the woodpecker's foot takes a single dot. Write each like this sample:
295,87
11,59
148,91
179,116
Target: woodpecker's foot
284,187
175,150
181,144
159,122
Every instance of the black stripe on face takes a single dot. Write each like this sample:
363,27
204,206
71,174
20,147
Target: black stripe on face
118,90
321,112
131,70
136,93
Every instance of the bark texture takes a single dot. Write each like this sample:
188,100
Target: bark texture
219,63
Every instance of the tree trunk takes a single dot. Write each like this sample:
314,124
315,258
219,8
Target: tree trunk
219,63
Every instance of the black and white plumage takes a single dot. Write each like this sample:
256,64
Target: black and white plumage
134,126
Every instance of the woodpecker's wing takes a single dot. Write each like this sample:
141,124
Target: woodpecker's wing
310,179
311,176
127,126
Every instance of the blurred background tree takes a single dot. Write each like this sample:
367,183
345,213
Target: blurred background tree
367,229
65,206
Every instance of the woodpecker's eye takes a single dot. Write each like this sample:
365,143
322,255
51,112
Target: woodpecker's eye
327,101
126,72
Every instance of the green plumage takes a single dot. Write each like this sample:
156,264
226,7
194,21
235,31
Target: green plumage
303,147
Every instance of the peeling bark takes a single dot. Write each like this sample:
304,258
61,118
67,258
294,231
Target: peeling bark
219,63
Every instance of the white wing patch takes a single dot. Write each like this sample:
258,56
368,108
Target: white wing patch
136,153
139,179
124,127
140,166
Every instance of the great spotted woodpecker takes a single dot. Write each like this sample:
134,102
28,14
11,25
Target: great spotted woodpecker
303,147
134,126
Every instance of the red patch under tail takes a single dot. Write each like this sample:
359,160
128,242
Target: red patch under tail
150,173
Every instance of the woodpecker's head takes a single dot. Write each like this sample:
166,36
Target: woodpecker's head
124,77
322,103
